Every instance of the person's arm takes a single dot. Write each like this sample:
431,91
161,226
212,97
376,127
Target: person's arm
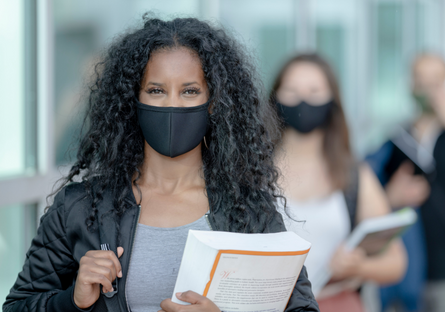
44,285
389,266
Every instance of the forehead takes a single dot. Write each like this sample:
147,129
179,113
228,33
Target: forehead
429,66
304,73
173,63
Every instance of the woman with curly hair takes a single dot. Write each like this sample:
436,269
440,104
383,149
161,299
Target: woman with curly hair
175,140
326,187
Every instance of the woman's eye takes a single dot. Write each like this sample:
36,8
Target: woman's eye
191,91
155,91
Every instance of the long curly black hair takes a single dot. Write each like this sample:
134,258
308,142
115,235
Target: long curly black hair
240,176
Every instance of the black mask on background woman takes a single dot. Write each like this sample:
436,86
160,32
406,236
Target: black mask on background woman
173,131
305,117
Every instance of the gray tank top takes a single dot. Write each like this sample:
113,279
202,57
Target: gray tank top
154,264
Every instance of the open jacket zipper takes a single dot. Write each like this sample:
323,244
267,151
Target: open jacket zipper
132,244
131,252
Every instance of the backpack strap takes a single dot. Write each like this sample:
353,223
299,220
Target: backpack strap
109,301
102,306
108,241
351,195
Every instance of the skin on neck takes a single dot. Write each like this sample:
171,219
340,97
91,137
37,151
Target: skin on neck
170,176
303,164
303,145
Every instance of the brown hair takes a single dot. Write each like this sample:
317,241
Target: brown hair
336,146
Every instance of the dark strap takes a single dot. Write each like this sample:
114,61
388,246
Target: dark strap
108,302
101,306
351,195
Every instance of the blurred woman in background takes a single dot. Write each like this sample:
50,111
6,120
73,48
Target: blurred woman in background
324,187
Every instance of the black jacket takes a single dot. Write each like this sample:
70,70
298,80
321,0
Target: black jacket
46,282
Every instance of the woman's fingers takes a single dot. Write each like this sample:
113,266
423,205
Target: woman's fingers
107,264
198,303
102,262
346,263
358,254
97,278
120,251
94,275
102,270
190,297
168,305
112,256
107,254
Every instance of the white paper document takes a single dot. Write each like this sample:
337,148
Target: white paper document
242,272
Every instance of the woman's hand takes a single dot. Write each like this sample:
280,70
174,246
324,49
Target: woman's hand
198,303
406,189
346,264
97,267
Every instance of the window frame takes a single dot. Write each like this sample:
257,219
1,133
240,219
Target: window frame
34,185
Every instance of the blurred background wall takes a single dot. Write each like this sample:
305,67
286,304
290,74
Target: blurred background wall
48,48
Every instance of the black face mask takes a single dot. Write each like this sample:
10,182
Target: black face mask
173,131
305,117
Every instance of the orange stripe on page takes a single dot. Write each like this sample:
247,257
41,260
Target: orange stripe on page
266,253
212,272
251,253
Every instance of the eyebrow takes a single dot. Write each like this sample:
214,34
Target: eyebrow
161,84
189,83
155,83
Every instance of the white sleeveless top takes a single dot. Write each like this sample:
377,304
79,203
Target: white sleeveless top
325,223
